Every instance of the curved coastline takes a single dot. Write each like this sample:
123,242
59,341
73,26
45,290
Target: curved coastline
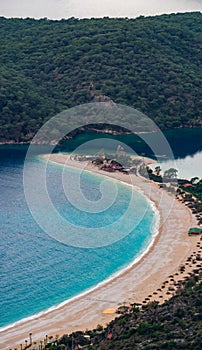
68,316
145,250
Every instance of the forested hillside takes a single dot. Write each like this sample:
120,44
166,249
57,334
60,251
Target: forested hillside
152,64
175,324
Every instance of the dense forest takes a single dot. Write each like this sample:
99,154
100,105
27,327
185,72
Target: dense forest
151,64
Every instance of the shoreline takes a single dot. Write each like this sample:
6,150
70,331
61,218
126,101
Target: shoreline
86,292
98,285
12,142
144,251
161,259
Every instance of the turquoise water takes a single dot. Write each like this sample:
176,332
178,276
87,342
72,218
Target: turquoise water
37,271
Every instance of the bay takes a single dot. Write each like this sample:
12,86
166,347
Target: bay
38,272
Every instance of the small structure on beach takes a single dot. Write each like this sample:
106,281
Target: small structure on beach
187,185
111,166
194,231
123,309
110,311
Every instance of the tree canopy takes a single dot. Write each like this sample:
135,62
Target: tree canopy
149,63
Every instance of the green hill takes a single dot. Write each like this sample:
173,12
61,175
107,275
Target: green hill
152,64
175,324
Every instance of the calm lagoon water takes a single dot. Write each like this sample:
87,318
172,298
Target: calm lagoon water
186,145
38,272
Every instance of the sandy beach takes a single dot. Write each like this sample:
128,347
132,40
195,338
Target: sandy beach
170,250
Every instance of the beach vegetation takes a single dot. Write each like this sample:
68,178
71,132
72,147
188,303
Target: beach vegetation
190,192
170,173
158,170
194,180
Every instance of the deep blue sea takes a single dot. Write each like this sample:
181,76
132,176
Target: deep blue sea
37,271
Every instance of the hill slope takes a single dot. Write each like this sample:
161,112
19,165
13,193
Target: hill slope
175,324
152,64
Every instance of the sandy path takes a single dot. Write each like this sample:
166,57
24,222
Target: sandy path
171,248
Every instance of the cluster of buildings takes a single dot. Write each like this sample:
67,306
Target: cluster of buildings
113,165
105,163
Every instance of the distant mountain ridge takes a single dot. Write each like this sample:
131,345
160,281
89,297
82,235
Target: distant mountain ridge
149,63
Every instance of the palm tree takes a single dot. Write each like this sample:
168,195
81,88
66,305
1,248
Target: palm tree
46,339
30,338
